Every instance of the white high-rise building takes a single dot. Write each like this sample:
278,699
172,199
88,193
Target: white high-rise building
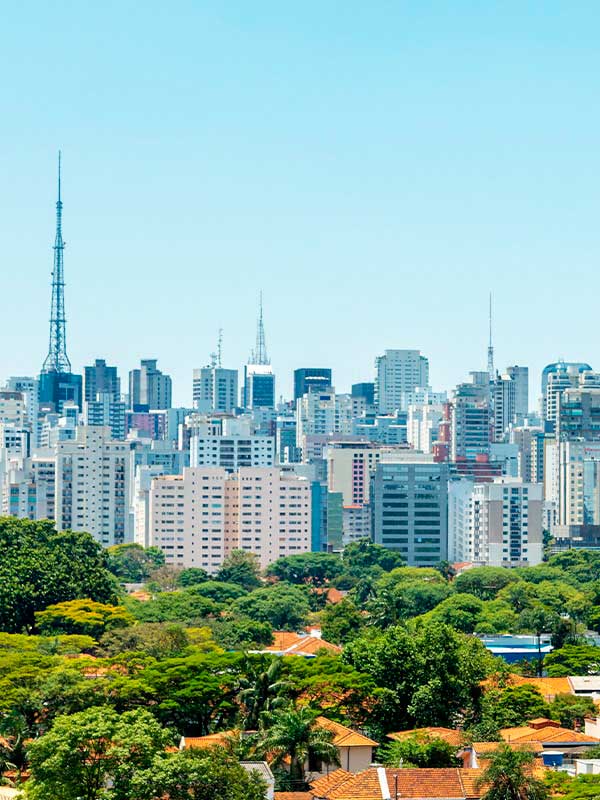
422,426
228,442
29,389
13,409
325,412
495,524
503,406
92,485
398,372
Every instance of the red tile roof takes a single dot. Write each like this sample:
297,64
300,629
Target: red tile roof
421,784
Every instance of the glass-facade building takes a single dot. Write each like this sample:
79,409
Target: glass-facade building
410,510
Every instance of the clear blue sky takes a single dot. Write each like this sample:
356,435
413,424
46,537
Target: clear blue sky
375,167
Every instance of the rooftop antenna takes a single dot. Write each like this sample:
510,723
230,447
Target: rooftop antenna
220,349
490,352
259,354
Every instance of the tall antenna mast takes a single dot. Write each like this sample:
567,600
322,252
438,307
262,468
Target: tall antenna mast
57,359
259,354
490,352
220,349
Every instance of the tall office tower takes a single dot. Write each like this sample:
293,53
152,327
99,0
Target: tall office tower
503,406
148,387
398,371
101,379
366,390
215,389
260,510
308,379
106,411
422,426
578,414
520,376
57,384
410,507
470,418
228,442
92,485
497,524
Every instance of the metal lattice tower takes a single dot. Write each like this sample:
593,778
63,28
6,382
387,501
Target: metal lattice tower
259,354
57,359
490,352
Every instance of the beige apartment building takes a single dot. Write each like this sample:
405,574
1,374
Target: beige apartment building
199,517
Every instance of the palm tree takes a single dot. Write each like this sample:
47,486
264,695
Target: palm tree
262,690
509,776
294,734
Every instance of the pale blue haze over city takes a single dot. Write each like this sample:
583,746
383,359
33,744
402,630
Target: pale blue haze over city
376,168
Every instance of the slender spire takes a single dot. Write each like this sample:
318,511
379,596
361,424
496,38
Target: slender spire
220,349
259,354
57,359
490,352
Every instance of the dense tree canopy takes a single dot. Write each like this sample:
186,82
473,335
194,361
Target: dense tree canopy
40,566
133,563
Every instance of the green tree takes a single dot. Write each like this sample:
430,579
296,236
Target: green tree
40,567
197,775
573,660
314,568
295,734
132,563
239,632
219,591
460,611
419,750
190,576
426,675
283,606
184,606
570,710
262,689
511,707
242,568
509,776
85,617
483,582
87,752
360,557
157,639
341,622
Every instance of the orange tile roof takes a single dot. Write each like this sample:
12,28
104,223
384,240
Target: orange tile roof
489,747
343,736
547,687
449,735
212,740
548,734
293,796
289,643
329,782
424,784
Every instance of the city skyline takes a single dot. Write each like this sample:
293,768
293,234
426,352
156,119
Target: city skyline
401,210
